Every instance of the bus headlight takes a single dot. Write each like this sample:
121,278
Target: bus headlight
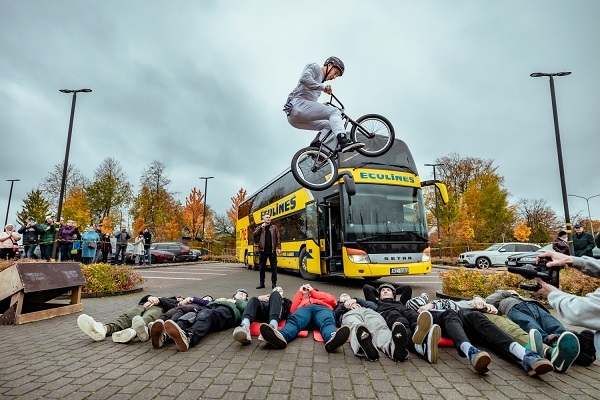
358,256
426,254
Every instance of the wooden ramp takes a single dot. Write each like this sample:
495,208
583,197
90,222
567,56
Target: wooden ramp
26,288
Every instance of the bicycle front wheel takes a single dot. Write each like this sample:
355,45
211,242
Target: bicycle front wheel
314,169
376,132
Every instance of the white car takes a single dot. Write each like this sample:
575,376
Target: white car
495,255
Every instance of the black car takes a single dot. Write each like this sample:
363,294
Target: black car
523,259
179,250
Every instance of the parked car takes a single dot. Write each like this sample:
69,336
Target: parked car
495,255
198,253
156,256
522,259
179,250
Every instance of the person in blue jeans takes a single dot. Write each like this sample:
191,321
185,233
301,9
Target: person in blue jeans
311,309
528,314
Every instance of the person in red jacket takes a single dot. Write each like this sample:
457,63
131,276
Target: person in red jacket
311,309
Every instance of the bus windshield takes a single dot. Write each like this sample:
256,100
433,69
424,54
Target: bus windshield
382,212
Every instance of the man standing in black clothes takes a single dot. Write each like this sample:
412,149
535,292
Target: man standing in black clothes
147,243
269,245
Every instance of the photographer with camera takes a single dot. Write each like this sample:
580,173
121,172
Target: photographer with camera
574,310
30,232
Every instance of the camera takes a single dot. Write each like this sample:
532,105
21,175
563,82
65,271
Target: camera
539,270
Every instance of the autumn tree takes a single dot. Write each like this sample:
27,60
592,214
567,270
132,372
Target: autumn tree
34,205
538,216
522,232
192,214
110,189
76,208
52,183
155,207
223,228
478,206
232,213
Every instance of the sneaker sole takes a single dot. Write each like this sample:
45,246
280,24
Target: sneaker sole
338,340
241,337
84,322
541,367
535,342
481,362
156,333
352,147
366,343
400,342
565,352
175,334
424,323
432,343
587,350
139,326
123,336
271,337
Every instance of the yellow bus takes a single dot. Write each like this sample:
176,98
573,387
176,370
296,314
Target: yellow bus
371,223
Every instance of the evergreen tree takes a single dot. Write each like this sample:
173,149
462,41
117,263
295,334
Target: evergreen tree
34,205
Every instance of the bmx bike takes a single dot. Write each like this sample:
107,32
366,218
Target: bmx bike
316,168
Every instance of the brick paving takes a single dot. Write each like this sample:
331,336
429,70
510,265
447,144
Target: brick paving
54,359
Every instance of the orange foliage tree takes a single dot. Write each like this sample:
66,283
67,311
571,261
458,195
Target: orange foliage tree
522,232
192,213
76,208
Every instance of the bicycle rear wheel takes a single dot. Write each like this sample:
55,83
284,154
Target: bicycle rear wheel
376,132
314,169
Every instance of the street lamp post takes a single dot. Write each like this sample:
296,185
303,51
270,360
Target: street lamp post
587,200
437,210
66,164
206,178
559,151
12,181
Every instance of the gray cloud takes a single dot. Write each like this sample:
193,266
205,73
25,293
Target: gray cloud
200,87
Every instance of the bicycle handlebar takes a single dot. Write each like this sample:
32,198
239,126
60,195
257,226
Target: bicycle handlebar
341,105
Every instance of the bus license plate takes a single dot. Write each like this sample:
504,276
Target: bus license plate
394,271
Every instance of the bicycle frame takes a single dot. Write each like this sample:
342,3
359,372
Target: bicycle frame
347,118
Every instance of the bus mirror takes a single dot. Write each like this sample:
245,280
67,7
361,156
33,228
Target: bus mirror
441,188
348,183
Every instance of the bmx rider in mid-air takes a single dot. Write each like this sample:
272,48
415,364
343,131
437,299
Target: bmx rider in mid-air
305,112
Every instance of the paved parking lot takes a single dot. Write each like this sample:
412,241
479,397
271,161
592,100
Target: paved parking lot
54,359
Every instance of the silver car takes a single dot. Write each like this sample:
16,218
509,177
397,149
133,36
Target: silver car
495,255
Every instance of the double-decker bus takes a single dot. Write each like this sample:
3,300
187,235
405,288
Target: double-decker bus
380,230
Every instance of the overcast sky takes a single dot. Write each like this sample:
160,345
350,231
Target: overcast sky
200,85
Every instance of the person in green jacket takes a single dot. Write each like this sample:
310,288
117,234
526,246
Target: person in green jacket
216,316
47,238
583,242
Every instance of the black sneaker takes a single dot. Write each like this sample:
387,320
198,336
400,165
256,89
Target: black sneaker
272,336
365,340
345,145
399,342
587,351
338,339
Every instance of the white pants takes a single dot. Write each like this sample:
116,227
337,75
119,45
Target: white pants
314,116
380,333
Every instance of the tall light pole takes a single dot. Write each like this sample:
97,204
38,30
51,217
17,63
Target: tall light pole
206,178
66,164
437,210
587,200
559,152
12,181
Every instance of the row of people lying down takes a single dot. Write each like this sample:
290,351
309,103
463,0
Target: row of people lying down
378,323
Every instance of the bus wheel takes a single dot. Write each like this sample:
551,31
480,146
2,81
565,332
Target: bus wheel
303,265
246,263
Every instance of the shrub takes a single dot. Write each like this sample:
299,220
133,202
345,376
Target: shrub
105,278
463,282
